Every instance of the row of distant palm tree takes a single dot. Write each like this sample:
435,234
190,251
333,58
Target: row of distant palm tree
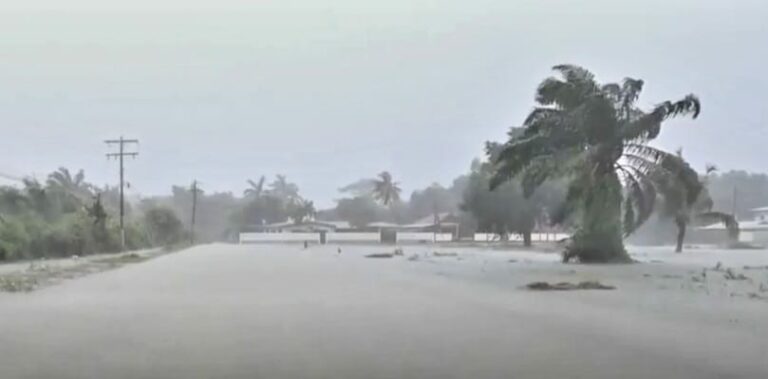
299,209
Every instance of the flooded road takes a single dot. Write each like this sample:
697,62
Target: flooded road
223,311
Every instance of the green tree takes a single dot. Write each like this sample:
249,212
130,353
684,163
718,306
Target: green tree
596,137
163,225
386,190
358,211
302,211
284,190
506,210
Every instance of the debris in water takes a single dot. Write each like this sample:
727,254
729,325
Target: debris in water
566,286
380,255
729,275
439,254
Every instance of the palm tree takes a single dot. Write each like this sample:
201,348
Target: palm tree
596,137
75,185
729,220
256,189
385,190
284,190
684,204
682,199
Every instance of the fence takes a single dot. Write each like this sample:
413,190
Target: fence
353,237
423,237
535,237
279,237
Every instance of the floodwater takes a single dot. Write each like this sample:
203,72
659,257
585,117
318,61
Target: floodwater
280,311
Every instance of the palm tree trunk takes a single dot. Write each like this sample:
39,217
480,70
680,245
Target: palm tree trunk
681,227
527,238
599,238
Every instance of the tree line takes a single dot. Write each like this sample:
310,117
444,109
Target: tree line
582,159
66,215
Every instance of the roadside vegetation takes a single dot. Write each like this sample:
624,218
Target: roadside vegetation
66,216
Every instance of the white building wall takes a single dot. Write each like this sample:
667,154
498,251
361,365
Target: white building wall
279,237
352,237
423,237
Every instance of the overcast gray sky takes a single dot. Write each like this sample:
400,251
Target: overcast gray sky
327,92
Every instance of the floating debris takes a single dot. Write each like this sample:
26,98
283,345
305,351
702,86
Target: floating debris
439,254
729,275
380,255
567,286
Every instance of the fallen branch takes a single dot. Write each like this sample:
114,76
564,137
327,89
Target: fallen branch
566,286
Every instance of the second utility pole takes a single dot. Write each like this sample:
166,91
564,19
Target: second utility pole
194,210
120,155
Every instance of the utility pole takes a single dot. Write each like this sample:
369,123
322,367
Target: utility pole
195,190
121,142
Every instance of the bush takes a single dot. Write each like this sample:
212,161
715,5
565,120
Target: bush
163,226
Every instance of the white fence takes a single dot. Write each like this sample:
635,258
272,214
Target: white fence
353,237
535,237
423,237
279,237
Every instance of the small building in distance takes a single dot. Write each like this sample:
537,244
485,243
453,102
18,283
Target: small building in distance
302,227
751,231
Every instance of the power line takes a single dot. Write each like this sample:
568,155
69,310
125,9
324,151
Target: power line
121,142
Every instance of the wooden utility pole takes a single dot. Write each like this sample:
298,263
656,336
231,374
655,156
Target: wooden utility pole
195,190
121,142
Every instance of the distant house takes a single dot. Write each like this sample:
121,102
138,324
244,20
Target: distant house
445,222
754,230
760,214
303,227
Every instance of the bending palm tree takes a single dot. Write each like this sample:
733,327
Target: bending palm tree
683,203
385,190
597,137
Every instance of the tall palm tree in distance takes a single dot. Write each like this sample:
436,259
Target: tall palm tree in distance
385,190
595,136
76,185
283,189
255,189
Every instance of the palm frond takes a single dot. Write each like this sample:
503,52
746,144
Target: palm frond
613,91
730,222
630,92
577,85
648,126
640,198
